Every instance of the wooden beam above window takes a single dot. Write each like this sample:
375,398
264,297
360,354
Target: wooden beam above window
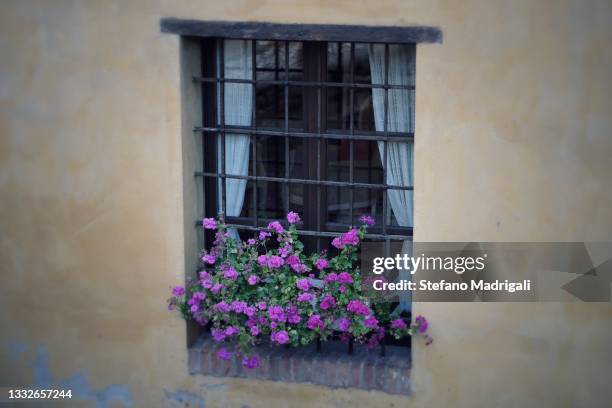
301,32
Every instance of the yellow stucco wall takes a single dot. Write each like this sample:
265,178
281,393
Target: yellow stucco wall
513,128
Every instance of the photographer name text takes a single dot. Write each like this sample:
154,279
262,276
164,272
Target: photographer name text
442,285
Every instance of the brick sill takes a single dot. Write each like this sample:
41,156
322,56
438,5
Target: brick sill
333,367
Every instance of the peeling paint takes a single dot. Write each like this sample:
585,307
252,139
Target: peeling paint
81,389
16,349
42,375
78,384
215,386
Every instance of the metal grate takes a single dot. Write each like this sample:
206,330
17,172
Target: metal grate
213,80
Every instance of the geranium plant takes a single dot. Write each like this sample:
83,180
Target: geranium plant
268,288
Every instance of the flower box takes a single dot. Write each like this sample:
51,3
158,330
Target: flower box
268,288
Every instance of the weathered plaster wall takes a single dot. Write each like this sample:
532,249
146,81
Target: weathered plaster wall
513,143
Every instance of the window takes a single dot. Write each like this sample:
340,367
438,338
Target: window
325,129
317,119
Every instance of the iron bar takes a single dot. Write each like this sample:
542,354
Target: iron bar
254,125
318,84
221,74
351,129
377,136
313,233
286,88
303,181
322,71
386,142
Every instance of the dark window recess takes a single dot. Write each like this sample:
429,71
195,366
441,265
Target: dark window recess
305,115
313,146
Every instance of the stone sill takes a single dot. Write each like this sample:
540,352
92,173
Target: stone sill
333,367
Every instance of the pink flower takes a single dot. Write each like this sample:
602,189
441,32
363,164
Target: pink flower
231,331
344,324
209,258
223,354
304,297
370,322
222,307
357,307
332,277
351,237
299,268
294,318
376,338
195,301
178,291
218,335
327,302
422,323
250,362
398,324
254,331
367,220
253,279
262,260
251,241
345,277
216,288
238,306
293,260
337,242
342,289
280,337
205,280
209,223
321,263
275,262
263,235
230,273
249,311
220,237
276,226
293,217
315,322
262,306
303,284
284,251
276,313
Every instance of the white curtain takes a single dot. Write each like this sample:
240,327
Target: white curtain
238,104
399,166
